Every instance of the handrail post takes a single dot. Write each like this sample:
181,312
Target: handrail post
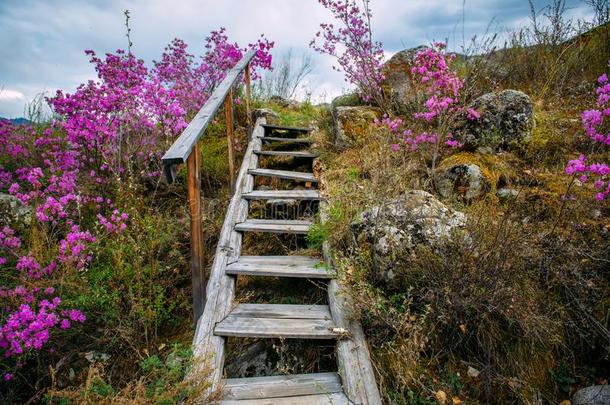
230,137
248,97
194,201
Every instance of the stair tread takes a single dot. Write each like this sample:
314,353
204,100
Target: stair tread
284,174
282,194
280,266
274,226
292,153
282,386
284,128
287,140
337,398
278,321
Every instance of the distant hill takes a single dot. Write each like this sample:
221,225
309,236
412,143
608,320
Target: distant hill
17,121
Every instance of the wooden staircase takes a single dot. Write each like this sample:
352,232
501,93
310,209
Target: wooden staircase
354,382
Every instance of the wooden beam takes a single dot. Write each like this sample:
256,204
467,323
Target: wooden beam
248,97
194,202
230,138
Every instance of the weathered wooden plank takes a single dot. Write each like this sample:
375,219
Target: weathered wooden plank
282,386
182,147
282,311
208,349
288,153
274,226
283,194
285,174
287,140
257,327
336,398
289,129
280,266
353,354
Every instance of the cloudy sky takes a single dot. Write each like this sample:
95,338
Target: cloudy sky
42,41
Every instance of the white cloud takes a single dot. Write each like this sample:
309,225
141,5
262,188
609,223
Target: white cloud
11,95
42,42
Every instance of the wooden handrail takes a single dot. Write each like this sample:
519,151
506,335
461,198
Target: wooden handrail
186,150
184,145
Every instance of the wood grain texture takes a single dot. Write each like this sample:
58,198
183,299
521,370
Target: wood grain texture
280,266
282,386
274,226
287,153
283,194
289,129
281,311
321,399
256,327
284,174
304,141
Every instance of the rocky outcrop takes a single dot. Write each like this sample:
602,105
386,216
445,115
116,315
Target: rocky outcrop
506,119
399,227
397,84
13,211
346,100
353,124
464,181
594,395
264,112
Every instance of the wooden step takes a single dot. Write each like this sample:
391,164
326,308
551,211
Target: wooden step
289,153
338,398
282,386
283,195
278,321
283,128
280,266
274,226
286,140
284,174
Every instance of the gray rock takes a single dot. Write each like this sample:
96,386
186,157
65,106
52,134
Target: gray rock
353,124
594,395
400,226
464,181
507,118
13,211
346,100
397,83
264,112
507,193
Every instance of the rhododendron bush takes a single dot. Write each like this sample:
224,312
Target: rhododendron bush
351,43
115,127
597,127
434,78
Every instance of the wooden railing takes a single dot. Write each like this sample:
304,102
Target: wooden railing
186,150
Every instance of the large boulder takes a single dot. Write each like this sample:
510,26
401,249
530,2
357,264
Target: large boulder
594,395
264,112
463,181
353,124
346,100
13,211
398,228
397,84
506,119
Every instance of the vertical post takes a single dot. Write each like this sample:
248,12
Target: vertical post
248,97
194,201
230,138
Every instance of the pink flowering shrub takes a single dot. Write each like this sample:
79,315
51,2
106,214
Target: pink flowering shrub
433,77
597,127
351,43
107,131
